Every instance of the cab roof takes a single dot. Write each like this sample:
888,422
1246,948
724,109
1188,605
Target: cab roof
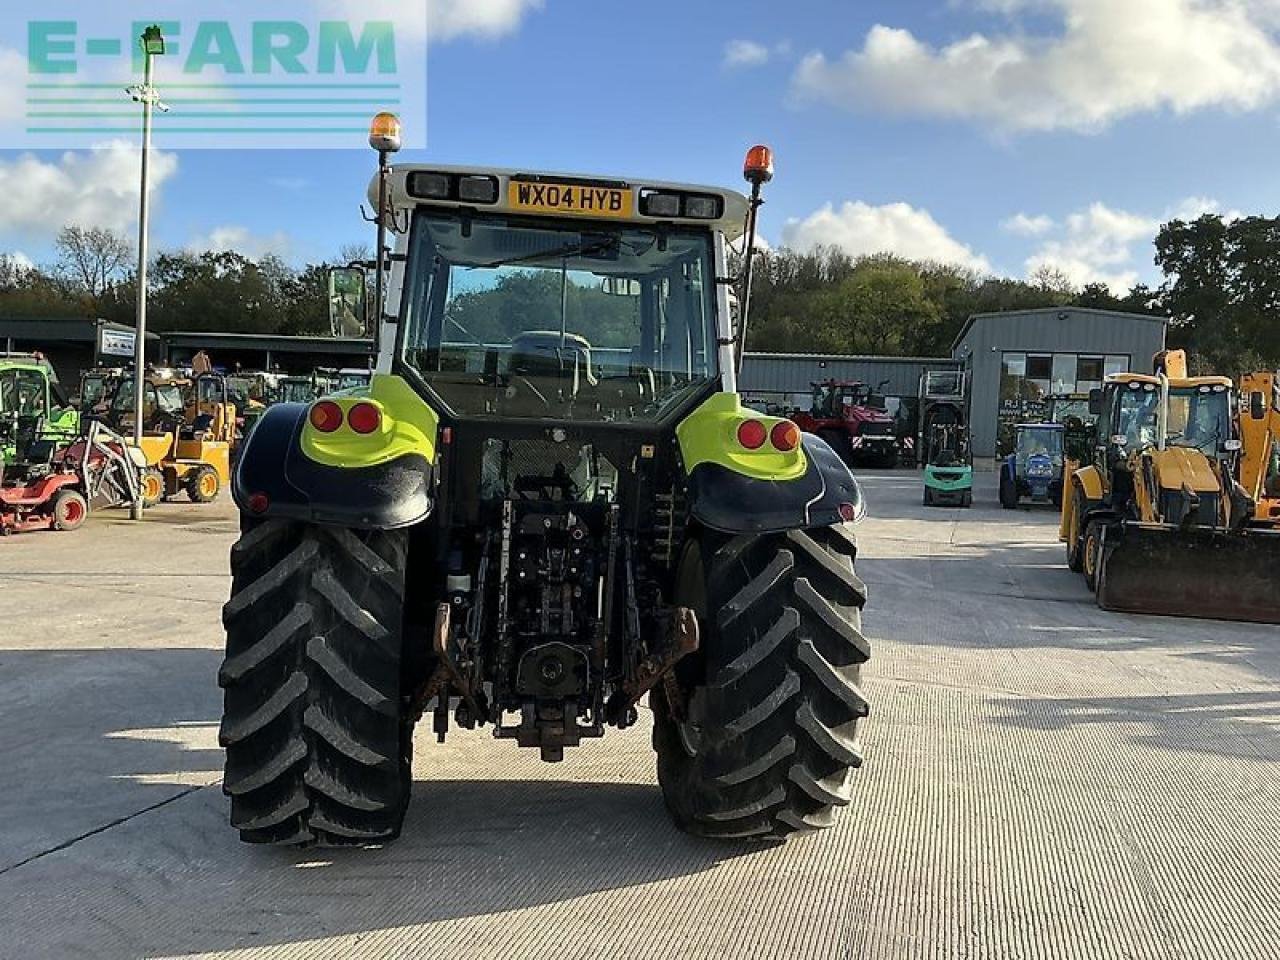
1173,382
731,222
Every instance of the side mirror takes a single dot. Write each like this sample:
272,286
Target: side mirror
1095,403
1258,405
348,302
620,287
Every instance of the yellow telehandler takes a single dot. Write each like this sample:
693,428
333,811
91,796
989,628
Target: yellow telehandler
1157,522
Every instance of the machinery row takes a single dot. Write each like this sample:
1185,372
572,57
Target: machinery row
1176,508
61,458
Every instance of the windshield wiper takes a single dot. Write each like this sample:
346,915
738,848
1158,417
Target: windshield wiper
580,249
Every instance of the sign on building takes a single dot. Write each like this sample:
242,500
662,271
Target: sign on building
116,343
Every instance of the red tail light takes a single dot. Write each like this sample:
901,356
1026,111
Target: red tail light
785,436
258,503
752,434
364,418
326,416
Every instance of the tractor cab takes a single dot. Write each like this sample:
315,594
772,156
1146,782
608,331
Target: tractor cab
852,419
32,406
1034,470
298,390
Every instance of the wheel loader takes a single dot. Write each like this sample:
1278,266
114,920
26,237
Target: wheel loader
1158,523
534,541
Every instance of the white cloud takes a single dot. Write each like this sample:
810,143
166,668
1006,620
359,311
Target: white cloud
898,228
445,19
1025,226
485,18
745,53
95,188
242,240
1096,246
1104,245
1110,60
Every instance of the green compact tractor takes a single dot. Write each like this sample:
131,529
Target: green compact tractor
548,504
32,407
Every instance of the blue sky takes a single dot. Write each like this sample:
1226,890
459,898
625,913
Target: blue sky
988,132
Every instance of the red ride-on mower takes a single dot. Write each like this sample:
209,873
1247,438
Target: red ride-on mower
41,493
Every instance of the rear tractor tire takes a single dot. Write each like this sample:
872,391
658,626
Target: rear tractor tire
318,746
766,738
1008,491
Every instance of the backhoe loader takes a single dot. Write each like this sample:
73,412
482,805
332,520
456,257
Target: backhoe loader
1260,437
1158,523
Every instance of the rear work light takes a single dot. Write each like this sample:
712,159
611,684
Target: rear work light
364,418
478,189
752,434
695,206
660,204
425,185
326,416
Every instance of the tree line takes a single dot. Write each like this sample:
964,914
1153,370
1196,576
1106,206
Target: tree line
1220,290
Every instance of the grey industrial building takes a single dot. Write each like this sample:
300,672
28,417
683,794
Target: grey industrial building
1019,359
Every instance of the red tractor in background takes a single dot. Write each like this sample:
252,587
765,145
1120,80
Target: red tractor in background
853,421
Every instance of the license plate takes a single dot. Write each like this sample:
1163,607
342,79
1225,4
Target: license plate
570,199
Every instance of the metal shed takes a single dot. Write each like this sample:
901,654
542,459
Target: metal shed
1021,358
785,379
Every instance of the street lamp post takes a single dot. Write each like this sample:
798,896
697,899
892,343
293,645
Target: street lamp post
152,46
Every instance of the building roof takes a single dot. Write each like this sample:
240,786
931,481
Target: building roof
277,343
1057,312
60,329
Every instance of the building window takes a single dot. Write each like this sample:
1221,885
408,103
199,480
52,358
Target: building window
1117,364
1064,373
1029,382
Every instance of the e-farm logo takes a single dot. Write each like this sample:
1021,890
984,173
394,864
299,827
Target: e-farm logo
290,82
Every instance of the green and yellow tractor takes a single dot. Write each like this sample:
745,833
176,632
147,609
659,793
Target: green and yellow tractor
535,541
32,406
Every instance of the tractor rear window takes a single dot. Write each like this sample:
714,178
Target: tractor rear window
567,321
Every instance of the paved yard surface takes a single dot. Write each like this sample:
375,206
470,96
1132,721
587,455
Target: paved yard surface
1044,780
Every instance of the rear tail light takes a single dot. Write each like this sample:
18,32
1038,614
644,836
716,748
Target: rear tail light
364,418
326,416
258,503
785,436
752,434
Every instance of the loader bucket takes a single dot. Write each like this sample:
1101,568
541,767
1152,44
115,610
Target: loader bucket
1210,574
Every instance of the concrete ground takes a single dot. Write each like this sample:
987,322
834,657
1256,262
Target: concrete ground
1043,780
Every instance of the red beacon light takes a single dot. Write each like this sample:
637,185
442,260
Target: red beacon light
758,169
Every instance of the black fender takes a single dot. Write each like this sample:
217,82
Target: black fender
271,464
730,502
